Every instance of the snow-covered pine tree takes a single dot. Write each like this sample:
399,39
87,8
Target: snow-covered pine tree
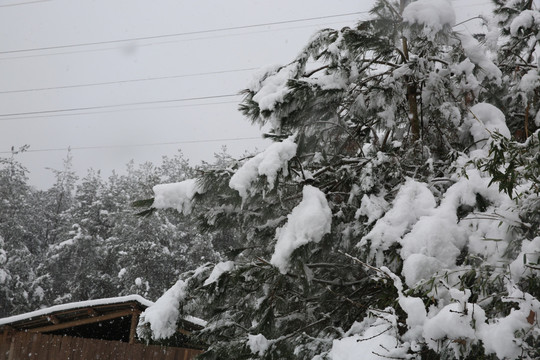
79,264
373,225
57,200
515,28
21,238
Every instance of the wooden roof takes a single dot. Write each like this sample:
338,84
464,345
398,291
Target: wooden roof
82,313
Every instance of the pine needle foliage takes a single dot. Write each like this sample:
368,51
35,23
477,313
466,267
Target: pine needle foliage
376,109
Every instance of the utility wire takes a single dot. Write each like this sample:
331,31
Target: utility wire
118,110
128,81
25,3
179,34
173,41
137,145
193,39
184,33
117,105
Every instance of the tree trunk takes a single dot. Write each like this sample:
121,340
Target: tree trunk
412,87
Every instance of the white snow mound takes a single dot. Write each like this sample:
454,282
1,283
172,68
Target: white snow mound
268,163
413,200
258,344
163,314
176,195
220,269
476,53
433,15
486,120
308,222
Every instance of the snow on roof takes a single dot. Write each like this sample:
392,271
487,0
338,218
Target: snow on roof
92,303
76,305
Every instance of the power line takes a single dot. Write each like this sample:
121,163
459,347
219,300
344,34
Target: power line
172,41
137,145
119,110
179,34
198,38
25,3
128,81
182,33
118,105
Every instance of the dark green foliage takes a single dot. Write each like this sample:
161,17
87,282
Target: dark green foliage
369,107
511,162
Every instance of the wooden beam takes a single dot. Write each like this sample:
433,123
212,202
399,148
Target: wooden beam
133,328
7,328
80,322
12,349
92,312
52,319
6,334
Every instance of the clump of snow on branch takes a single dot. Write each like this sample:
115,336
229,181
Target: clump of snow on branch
219,269
437,239
525,20
530,82
308,222
373,207
499,336
412,201
163,315
477,55
526,263
258,344
433,15
268,163
375,338
331,81
413,307
270,85
176,195
484,120
455,322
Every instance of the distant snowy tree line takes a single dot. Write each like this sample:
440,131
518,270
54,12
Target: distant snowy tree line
80,239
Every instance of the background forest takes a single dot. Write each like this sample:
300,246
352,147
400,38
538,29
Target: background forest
80,239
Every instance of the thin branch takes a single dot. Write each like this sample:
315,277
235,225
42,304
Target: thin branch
374,336
316,70
377,61
438,60
351,136
337,282
326,265
365,264
464,21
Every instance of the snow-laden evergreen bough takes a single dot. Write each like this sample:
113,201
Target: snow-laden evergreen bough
396,214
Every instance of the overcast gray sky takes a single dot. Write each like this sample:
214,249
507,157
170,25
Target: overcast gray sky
166,117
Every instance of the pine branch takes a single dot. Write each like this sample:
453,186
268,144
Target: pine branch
316,70
143,203
365,264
